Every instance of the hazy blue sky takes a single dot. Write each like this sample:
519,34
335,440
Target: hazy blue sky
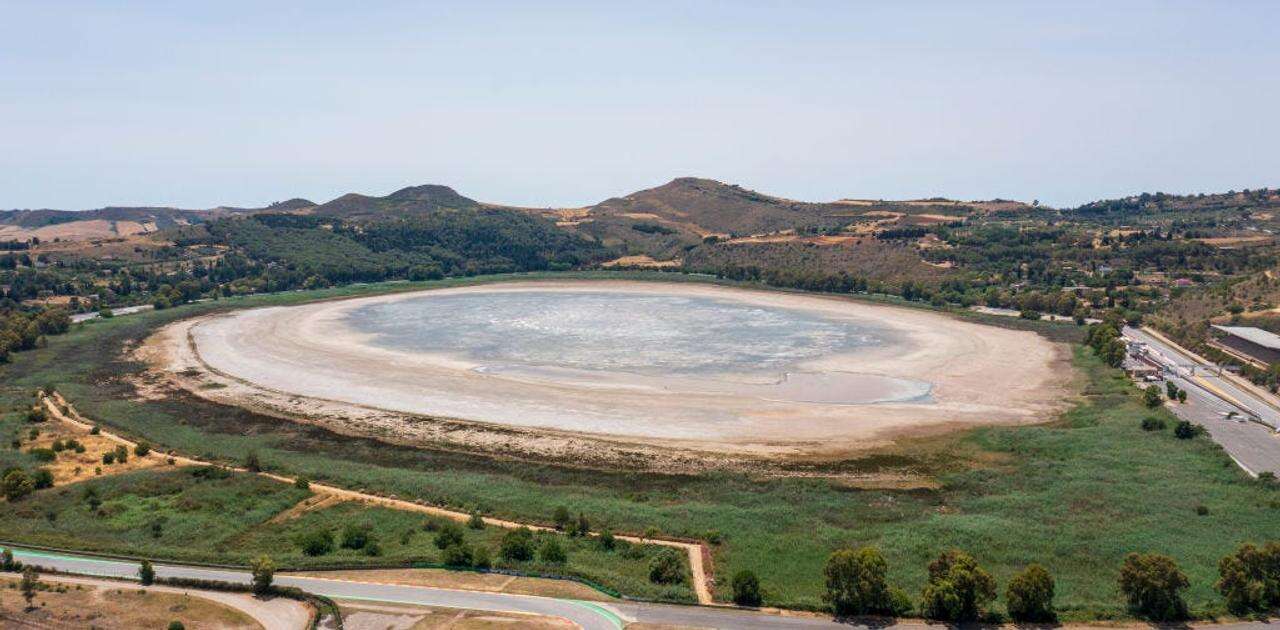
566,104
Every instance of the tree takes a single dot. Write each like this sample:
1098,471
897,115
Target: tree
1182,396
552,552
146,573
1030,595
30,581
746,589
1151,396
1249,579
6,561
856,584
264,571
1171,389
561,517
17,484
122,454
667,567
517,545
958,590
1153,585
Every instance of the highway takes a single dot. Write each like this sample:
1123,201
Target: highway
1211,398
584,614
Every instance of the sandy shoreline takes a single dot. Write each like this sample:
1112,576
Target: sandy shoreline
302,361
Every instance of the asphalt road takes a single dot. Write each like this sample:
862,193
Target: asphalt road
587,615
1256,448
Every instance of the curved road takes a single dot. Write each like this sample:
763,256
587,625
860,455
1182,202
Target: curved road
587,615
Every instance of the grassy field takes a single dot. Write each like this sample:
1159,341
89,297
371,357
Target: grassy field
171,513
1075,493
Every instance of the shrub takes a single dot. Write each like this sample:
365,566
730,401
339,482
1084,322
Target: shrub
302,483
583,526
1249,579
146,573
95,430
141,449
42,479
176,625
7,562
714,537
122,454
476,521
856,584
450,534
746,589
252,462
1152,423
1030,595
43,454
561,517
355,536
1151,396
1202,510
480,558
316,543
517,545
108,458
1185,430
667,567
607,542
17,484
1152,584
958,590
372,548
264,571
457,555
552,552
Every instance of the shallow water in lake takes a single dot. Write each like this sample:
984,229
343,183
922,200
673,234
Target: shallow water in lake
667,342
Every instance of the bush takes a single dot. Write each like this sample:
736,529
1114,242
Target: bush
108,458
252,462
958,590
476,521
355,536
1151,396
141,449
1030,595
264,571
582,527
176,625
561,517
302,483
146,573
552,552
449,535
1185,430
42,479
1152,584
43,454
122,454
1202,510
746,589
95,430
1152,423
607,541
457,555
372,548
667,567
480,557
517,545
856,584
316,543
1249,579
17,484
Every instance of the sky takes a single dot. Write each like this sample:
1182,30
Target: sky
566,104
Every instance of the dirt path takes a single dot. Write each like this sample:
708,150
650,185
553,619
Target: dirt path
277,612
699,555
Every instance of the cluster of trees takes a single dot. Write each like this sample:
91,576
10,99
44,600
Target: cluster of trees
23,329
1104,338
959,590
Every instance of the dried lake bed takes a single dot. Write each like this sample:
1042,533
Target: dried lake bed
675,364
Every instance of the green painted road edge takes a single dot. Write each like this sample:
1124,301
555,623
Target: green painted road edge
600,610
